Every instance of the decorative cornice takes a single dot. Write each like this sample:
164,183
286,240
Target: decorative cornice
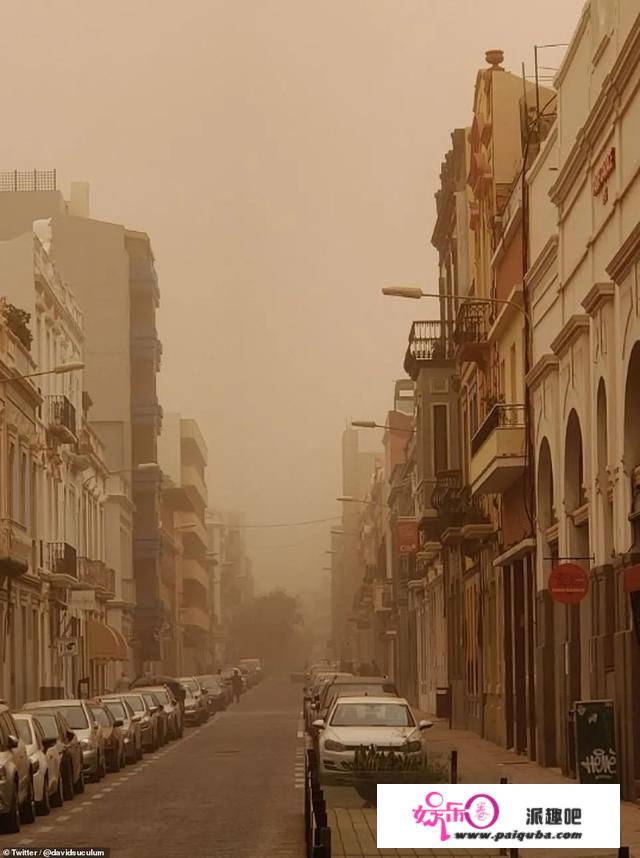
599,295
572,330
543,262
547,364
614,83
626,256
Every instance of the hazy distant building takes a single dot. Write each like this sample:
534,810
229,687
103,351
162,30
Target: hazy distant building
183,458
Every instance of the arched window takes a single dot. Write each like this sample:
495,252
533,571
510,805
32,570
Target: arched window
546,504
574,496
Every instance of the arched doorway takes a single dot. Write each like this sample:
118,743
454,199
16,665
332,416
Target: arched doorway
602,457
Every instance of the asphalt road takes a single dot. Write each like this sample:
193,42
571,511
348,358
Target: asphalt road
226,790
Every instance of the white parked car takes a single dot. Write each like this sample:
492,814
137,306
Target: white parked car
375,738
46,763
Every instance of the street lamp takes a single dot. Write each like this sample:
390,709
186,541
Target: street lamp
416,293
144,466
371,424
349,499
60,369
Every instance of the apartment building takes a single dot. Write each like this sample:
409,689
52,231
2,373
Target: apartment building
112,273
585,384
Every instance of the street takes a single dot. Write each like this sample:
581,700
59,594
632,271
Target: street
226,789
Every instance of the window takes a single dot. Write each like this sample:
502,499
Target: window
440,439
23,488
24,731
12,482
512,375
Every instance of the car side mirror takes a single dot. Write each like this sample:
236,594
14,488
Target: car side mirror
118,722
137,718
12,741
424,725
35,766
318,724
48,742
156,709
70,735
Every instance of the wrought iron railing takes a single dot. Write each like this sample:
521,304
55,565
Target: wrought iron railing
95,572
63,559
446,492
472,323
501,416
62,414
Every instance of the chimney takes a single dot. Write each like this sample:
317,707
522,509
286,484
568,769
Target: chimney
495,58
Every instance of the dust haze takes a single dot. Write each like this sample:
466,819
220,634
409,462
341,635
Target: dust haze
283,156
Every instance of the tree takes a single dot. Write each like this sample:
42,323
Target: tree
268,627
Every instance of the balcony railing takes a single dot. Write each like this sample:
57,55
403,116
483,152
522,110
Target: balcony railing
63,559
95,572
500,417
472,329
28,180
446,494
62,417
428,341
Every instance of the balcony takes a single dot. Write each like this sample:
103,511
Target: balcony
471,334
194,571
143,277
498,450
194,485
62,419
63,564
15,549
95,573
146,410
196,618
429,345
145,346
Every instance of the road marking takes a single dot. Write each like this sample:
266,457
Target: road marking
95,797
108,789
62,819
26,842
46,828
75,810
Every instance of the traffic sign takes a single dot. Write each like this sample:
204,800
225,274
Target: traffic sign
68,646
568,583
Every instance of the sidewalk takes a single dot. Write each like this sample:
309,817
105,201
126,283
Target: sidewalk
480,761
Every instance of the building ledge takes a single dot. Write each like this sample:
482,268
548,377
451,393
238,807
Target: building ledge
626,257
547,364
599,295
575,327
516,552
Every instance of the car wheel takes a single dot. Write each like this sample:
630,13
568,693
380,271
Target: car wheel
78,786
67,783
57,798
10,822
43,807
28,807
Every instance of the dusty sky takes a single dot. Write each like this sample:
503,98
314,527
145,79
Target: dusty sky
283,156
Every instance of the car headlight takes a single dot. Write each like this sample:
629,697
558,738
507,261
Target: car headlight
330,745
413,747
86,743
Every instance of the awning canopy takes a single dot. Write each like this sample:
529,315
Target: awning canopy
105,643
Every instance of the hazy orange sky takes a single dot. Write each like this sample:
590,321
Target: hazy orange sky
283,156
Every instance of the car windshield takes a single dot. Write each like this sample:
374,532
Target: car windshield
189,694
207,681
49,726
75,717
135,701
24,730
162,696
150,697
190,683
374,690
372,715
101,716
117,709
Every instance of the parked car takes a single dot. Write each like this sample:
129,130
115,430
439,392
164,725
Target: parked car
356,686
171,708
157,710
214,692
225,684
192,683
375,738
254,666
16,787
113,738
91,734
148,720
58,734
131,731
313,691
46,763
192,709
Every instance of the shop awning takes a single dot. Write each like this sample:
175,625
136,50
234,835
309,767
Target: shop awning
105,643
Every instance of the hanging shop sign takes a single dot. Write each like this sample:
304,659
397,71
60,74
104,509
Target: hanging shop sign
568,583
407,535
68,647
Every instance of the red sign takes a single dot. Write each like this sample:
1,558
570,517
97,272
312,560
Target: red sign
407,535
631,580
568,583
603,172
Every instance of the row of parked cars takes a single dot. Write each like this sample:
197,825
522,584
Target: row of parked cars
49,749
361,728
